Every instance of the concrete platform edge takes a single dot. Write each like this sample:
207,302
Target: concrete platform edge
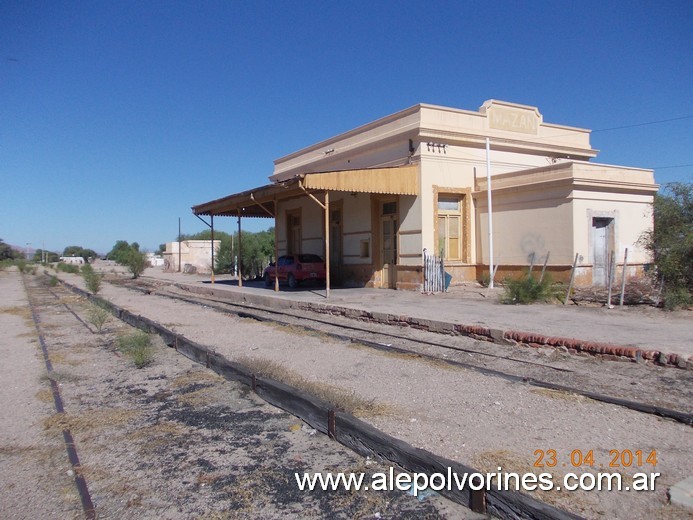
498,336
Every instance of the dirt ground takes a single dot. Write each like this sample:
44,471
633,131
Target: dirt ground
462,415
171,440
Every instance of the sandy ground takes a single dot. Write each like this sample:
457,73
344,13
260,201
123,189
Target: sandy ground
171,440
34,482
477,420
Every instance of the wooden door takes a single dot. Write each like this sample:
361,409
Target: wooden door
602,240
388,251
336,245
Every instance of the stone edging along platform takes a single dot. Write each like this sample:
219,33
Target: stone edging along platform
503,337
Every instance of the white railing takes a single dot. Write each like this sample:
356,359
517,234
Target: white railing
434,273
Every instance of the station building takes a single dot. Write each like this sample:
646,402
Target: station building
375,200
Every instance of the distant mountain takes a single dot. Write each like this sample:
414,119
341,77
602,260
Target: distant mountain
23,250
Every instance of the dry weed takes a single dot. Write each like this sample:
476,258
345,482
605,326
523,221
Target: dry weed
70,300
195,375
60,376
510,462
158,435
340,398
406,356
557,394
490,460
196,398
297,330
62,358
91,420
13,450
206,479
52,326
45,396
21,311
254,486
31,334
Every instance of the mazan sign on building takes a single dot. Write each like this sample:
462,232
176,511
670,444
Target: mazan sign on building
372,199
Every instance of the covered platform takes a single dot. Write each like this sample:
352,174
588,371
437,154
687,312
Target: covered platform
262,202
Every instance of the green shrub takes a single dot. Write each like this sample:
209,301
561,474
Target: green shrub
485,279
21,265
53,281
98,316
527,289
138,347
670,242
676,297
92,279
67,268
136,262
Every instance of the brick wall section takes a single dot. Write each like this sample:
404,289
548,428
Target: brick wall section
571,345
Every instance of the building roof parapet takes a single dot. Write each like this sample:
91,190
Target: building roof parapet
511,126
576,173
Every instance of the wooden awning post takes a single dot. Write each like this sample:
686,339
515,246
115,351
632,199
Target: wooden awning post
326,208
212,228
327,244
240,251
274,216
276,251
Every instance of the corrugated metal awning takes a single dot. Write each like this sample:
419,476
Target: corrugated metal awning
402,180
260,202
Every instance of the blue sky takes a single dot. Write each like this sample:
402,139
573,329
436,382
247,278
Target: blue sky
116,117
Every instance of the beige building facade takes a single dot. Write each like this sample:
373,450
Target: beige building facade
373,199
195,256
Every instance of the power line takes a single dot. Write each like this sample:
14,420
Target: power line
608,130
668,167
643,124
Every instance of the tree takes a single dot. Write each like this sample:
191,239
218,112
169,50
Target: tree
80,251
257,248
136,262
41,255
120,252
130,256
8,253
224,258
671,242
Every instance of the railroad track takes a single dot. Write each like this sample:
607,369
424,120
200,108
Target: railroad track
68,439
204,442
580,381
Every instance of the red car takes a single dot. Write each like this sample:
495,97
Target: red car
294,269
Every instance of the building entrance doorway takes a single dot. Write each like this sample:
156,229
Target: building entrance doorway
602,246
388,245
336,245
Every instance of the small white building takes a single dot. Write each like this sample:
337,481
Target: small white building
74,260
155,260
194,256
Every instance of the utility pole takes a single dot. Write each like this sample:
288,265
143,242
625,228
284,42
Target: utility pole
179,244
490,212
